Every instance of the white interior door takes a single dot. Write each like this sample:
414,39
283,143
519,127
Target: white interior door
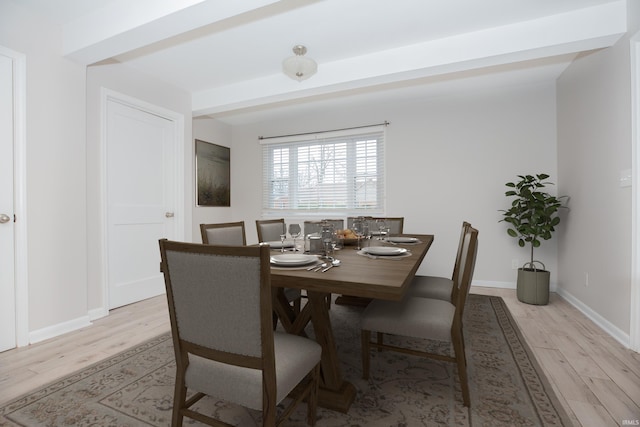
141,200
7,235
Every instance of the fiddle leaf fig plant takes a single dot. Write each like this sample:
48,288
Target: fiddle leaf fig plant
533,215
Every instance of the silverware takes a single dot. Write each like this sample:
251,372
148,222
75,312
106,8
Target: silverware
334,263
317,267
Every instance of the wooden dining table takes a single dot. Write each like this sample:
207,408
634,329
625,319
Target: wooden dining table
357,275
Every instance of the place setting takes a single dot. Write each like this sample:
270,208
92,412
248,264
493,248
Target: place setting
402,240
384,252
294,261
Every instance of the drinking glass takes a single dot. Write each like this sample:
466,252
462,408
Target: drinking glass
282,237
295,230
358,229
337,241
366,232
382,227
327,233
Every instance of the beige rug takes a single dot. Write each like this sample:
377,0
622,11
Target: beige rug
134,388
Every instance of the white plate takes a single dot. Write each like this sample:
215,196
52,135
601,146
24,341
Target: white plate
293,260
400,239
279,245
384,251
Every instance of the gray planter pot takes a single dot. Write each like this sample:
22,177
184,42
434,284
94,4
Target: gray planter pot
533,286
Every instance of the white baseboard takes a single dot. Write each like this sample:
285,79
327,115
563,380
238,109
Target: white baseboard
505,285
98,313
59,329
611,329
493,284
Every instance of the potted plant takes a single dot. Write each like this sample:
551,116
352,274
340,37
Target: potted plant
532,217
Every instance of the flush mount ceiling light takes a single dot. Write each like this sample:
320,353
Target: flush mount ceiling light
299,67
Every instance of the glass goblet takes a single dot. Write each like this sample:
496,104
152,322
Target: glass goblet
358,230
294,231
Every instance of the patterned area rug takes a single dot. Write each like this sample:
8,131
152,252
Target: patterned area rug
135,388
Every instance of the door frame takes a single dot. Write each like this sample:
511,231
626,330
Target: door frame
21,281
634,315
177,119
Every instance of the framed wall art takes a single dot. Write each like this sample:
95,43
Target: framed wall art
213,174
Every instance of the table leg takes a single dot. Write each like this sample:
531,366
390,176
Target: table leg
291,322
335,393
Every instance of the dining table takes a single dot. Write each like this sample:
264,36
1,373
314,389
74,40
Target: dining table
359,274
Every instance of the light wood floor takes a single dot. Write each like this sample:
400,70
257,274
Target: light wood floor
596,379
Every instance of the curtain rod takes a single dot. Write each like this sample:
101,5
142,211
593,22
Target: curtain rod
385,123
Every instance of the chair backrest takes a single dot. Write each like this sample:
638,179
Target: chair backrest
463,231
311,227
228,233
220,303
466,268
394,224
269,230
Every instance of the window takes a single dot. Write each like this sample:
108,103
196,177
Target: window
330,172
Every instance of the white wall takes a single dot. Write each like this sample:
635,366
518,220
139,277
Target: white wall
594,146
216,132
56,190
448,159
130,82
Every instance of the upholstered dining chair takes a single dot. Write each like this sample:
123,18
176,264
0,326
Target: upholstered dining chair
394,224
220,305
270,230
439,287
425,318
311,227
228,233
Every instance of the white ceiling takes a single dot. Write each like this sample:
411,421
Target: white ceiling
228,53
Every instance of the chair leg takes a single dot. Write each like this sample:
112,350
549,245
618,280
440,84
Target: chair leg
366,336
179,398
312,400
461,360
269,415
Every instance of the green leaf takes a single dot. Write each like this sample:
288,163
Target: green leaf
512,232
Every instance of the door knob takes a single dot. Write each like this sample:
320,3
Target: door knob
4,218
169,214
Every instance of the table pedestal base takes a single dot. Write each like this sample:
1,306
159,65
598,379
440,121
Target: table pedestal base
337,400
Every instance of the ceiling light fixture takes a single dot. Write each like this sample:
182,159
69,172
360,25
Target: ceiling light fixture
299,67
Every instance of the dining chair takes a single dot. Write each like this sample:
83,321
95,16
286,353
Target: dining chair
228,233
220,305
394,224
425,318
311,227
351,219
270,230
439,287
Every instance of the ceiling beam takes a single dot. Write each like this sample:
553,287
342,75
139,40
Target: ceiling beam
125,26
580,30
